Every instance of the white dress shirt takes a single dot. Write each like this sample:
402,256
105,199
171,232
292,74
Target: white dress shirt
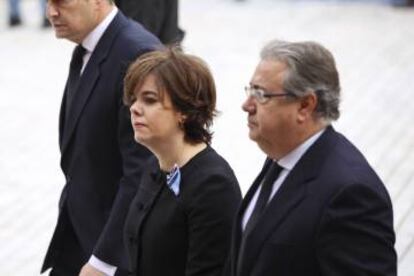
287,163
89,43
92,39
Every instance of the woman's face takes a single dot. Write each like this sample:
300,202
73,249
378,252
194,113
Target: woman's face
153,117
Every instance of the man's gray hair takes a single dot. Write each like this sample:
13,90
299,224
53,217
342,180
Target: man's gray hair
311,68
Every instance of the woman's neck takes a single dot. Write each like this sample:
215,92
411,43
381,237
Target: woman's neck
178,152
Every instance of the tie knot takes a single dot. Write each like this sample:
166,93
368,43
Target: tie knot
79,50
274,171
77,60
271,176
77,56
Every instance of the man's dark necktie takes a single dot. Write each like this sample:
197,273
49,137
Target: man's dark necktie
267,185
74,77
264,195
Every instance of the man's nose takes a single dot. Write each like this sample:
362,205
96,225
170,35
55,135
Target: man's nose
248,105
51,10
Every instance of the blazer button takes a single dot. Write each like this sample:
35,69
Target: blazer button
140,206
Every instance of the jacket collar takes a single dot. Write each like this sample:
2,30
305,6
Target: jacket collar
88,81
290,195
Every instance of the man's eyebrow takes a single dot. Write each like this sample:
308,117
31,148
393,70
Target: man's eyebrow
257,86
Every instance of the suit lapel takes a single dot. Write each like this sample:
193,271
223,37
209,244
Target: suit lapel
252,190
237,229
289,196
88,80
62,117
86,84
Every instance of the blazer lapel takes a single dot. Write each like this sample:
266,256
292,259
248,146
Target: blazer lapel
88,79
86,84
149,190
289,196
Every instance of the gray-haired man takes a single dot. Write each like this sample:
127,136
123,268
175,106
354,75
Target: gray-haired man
317,207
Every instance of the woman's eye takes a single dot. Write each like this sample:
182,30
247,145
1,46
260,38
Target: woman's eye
150,100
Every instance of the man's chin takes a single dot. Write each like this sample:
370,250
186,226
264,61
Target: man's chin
252,136
60,32
59,35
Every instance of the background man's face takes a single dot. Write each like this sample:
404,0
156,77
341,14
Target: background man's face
72,19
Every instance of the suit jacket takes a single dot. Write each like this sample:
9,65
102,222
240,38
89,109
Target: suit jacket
99,157
160,17
188,234
331,216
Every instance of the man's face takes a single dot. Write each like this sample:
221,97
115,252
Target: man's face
271,124
73,19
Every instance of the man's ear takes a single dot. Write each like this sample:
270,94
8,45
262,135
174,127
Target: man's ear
98,3
307,106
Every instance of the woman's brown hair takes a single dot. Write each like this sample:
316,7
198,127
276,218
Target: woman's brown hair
188,82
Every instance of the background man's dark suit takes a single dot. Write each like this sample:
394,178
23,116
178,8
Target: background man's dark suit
160,17
100,159
331,216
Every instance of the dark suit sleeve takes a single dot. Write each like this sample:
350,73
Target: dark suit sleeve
214,203
109,247
150,13
160,17
356,236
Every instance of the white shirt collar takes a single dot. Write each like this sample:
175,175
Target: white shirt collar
92,39
290,160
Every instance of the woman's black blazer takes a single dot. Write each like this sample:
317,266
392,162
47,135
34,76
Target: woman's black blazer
185,234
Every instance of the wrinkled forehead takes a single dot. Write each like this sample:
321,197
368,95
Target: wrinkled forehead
269,72
62,2
70,3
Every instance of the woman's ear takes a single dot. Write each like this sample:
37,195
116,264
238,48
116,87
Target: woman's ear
181,119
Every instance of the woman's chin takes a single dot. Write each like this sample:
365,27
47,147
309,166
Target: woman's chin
140,139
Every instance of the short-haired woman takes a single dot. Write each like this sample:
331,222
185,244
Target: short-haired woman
179,222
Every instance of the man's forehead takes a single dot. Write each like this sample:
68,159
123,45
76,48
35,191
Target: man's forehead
272,65
269,70
65,2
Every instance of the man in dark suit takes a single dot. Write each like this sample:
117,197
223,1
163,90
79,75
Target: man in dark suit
99,157
402,3
160,17
317,207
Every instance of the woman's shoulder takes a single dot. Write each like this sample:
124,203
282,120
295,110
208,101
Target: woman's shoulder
209,156
208,162
209,182
209,170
